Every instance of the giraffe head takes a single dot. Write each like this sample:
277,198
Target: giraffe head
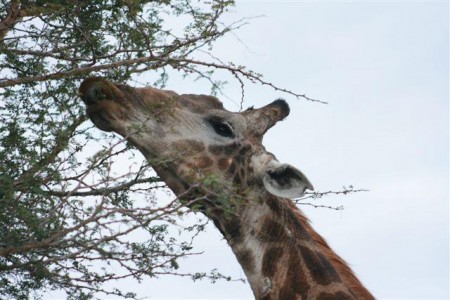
190,137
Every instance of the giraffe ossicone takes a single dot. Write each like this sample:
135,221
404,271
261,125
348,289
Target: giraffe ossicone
280,253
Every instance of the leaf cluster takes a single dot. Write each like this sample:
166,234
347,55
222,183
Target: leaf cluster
67,216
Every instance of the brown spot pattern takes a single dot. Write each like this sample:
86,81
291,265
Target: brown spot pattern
190,145
242,173
215,149
245,149
334,296
227,150
232,168
232,227
237,180
246,259
204,162
295,282
223,164
321,270
272,231
270,261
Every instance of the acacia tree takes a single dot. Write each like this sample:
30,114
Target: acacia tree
66,216
66,212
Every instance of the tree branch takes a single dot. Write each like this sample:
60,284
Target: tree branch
102,191
13,16
240,70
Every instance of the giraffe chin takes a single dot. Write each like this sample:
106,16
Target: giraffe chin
106,115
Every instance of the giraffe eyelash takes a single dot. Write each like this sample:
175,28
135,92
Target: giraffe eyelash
221,128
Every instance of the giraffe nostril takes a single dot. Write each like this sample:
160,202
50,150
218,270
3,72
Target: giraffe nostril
90,96
93,94
95,89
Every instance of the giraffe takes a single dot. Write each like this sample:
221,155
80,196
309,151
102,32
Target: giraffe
195,137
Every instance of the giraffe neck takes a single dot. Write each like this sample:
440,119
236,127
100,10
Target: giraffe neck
280,253
282,256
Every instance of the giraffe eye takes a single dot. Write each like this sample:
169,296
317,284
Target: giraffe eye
221,128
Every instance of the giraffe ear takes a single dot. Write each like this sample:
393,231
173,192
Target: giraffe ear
284,180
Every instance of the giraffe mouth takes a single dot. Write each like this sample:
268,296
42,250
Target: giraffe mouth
106,105
96,89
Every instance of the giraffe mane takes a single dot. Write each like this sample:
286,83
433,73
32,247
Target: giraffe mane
342,268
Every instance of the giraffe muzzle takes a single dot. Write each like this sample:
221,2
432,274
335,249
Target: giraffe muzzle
106,105
96,89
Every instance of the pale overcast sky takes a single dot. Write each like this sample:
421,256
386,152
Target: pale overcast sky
384,69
